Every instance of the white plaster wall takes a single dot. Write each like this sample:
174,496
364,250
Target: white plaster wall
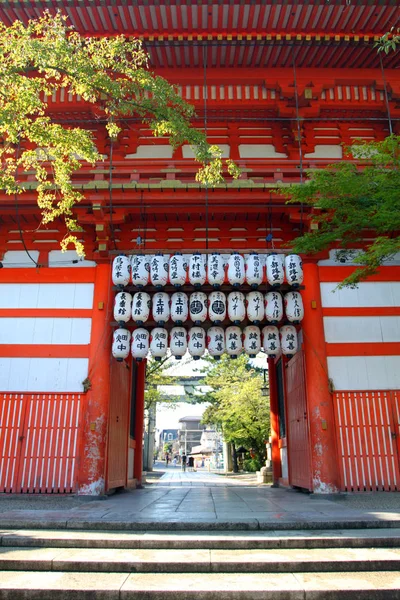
46,295
364,372
284,463
368,294
333,260
187,151
326,151
156,151
259,151
361,329
43,374
17,259
45,331
59,259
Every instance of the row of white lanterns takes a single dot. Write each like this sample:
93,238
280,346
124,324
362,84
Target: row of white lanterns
196,340
198,269
217,306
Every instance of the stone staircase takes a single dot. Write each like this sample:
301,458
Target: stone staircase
234,565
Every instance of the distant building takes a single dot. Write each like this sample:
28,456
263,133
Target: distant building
166,436
189,434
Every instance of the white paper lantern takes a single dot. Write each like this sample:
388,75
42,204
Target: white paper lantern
215,270
294,309
255,307
236,272
270,340
121,271
196,342
160,308
217,307
273,307
252,340
141,307
178,342
159,270
236,307
140,344
216,342
294,270
120,344
254,270
289,342
159,342
197,270
179,307
177,270
122,307
140,270
275,270
198,307
233,341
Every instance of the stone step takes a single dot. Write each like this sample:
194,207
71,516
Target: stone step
17,585
190,540
199,561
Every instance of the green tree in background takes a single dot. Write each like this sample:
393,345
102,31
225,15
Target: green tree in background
355,207
111,75
237,407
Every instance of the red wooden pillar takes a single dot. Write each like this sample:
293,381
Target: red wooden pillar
325,473
139,422
91,473
273,402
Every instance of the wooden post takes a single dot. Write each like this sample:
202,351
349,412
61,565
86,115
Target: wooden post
91,472
273,402
324,464
139,421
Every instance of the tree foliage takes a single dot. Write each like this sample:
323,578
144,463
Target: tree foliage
156,376
236,404
47,56
389,41
355,207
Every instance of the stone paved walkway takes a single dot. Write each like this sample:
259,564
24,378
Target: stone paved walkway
202,500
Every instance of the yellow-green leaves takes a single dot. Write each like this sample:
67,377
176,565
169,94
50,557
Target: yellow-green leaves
47,58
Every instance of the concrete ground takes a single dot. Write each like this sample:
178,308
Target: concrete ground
204,501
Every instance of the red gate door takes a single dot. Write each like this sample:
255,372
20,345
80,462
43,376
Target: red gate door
118,425
299,460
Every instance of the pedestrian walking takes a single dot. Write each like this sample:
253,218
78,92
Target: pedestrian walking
191,463
166,460
184,459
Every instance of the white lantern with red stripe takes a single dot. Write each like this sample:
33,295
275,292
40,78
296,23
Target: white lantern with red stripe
294,308
160,308
233,341
236,307
120,344
216,342
236,273
273,307
196,342
159,343
177,270
198,307
252,340
217,307
294,270
215,270
178,342
122,307
121,271
270,340
255,307
140,270
179,307
159,270
254,270
275,270
289,341
197,270
141,303
140,344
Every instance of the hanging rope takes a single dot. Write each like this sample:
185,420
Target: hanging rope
296,99
386,95
205,127
110,182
